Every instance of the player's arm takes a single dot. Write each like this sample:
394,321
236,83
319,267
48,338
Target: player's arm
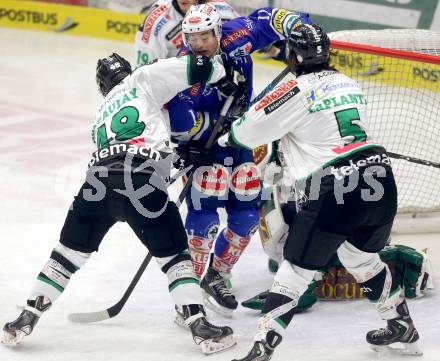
167,77
147,52
254,129
187,121
149,47
264,27
268,120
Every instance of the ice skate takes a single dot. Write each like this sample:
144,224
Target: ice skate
25,323
217,295
398,337
179,320
211,338
263,350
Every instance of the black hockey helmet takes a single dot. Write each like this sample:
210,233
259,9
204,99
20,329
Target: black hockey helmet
110,72
309,45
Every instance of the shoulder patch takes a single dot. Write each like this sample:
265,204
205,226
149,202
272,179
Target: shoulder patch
278,97
234,36
174,31
280,16
150,21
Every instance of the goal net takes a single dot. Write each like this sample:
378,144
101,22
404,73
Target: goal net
399,70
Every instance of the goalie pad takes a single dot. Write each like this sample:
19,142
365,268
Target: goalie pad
272,227
411,267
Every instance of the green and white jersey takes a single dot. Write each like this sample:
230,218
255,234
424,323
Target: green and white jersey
319,118
132,112
160,35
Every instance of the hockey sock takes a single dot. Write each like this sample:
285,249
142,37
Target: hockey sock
201,229
384,292
374,277
55,275
229,246
199,248
182,282
289,284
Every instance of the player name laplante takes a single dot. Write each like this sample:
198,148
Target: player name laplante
338,102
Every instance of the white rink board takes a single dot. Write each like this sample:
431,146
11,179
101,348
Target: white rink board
47,100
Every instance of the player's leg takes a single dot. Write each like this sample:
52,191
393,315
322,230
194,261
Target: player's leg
165,237
85,226
359,256
229,246
208,192
310,245
384,292
202,228
241,208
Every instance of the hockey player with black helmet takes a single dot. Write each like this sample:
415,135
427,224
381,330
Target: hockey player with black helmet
346,193
126,181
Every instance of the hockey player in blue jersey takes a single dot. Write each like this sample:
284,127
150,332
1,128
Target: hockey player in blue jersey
233,180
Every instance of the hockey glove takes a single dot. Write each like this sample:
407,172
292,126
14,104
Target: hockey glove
194,155
228,88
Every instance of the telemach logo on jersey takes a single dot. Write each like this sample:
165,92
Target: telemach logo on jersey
278,97
276,94
116,150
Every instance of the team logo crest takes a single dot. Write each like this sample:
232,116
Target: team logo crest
260,153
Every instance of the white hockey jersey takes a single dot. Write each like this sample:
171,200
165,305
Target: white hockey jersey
160,35
319,118
132,112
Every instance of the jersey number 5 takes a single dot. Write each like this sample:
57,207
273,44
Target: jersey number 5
125,125
345,120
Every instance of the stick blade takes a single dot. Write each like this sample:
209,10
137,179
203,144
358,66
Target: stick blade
88,317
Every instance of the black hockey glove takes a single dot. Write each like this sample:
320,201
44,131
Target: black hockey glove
228,88
194,155
226,85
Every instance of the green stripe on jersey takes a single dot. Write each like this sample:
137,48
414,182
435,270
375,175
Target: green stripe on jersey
43,278
181,282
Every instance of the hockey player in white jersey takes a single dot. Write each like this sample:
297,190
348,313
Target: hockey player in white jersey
126,181
160,35
347,196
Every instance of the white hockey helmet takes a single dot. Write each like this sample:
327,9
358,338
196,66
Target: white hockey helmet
201,18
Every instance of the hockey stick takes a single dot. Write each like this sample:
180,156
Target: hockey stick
87,317
414,160
270,86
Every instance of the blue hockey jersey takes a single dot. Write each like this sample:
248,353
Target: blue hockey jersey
193,111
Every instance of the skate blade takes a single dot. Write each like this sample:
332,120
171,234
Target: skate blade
211,304
213,346
403,349
11,340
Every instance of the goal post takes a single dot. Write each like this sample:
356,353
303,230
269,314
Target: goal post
399,71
